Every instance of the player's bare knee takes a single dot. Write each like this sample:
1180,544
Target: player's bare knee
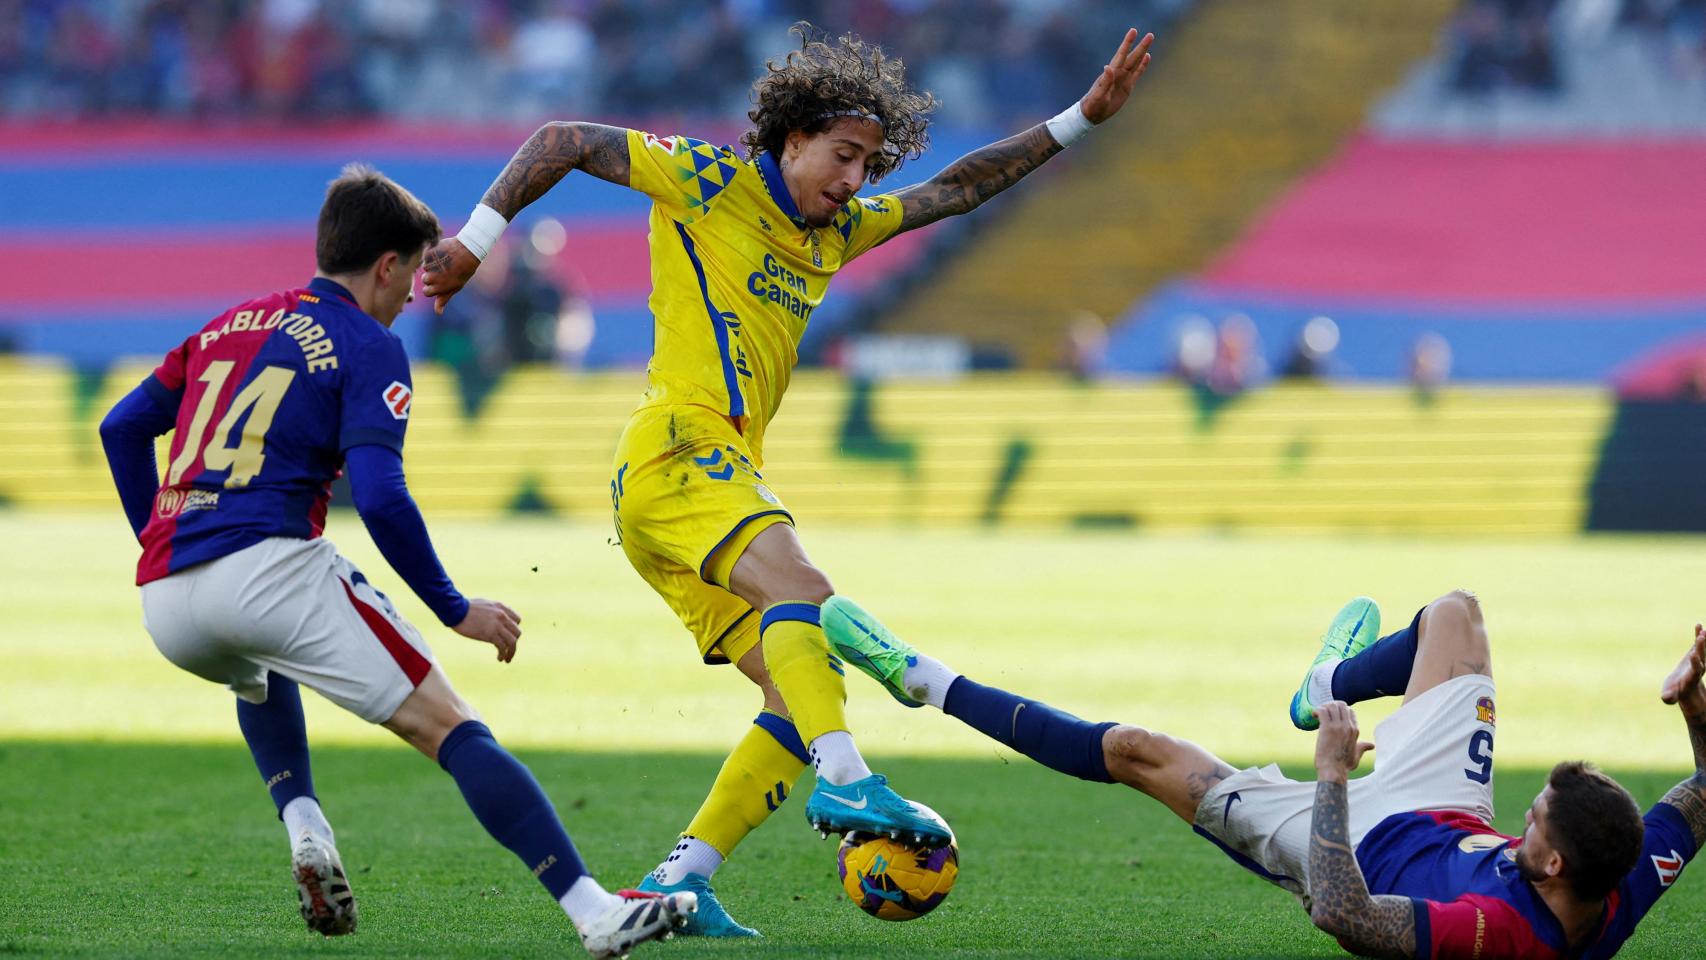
812,585
1459,607
1130,752
428,715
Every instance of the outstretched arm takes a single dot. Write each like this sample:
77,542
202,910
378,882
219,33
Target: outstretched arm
549,155
546,157
1683,688
982,174
1340,903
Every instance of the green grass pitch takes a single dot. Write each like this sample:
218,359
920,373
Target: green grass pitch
132,824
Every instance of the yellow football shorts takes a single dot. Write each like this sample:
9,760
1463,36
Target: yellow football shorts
688,499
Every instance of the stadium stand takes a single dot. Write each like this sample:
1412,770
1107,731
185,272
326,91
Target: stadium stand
1246,97
1538,219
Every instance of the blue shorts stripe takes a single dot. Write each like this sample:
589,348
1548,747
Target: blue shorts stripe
719,326
802,612
705,564
1242,860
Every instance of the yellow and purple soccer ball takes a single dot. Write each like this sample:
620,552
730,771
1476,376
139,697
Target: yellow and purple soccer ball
892,880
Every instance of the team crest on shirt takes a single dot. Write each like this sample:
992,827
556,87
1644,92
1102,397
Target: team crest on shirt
1669,868
817,251
1484,711
398,396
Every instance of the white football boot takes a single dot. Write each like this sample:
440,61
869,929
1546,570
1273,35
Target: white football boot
638,918
327,903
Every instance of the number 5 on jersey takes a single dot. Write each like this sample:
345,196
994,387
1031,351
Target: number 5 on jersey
262,396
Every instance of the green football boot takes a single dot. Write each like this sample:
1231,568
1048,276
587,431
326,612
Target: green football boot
859,639
1355,627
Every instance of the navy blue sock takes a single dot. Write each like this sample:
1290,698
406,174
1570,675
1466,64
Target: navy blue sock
1053,738
510,805
1382,670
278,739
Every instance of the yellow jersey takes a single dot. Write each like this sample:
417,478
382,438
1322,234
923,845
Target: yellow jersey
736,274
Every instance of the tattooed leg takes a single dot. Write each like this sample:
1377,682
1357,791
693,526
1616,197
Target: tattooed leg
1176,772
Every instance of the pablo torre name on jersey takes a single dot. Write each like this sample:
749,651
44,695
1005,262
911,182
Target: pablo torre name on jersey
317,348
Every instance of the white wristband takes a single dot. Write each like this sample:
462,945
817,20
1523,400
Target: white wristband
480,234
1069,126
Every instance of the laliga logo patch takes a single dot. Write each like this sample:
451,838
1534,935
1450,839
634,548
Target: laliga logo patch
668,143
398,396
1669,868
1484,711
765,494
169,502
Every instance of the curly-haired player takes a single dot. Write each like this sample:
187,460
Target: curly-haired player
742,249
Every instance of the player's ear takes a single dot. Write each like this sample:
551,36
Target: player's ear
385,266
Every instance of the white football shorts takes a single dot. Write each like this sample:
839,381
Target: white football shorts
1433,753
294,606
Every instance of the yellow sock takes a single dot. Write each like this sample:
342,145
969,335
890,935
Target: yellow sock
754,781
810,679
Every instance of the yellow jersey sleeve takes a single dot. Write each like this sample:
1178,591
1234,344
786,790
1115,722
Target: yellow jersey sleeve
683,176
866,222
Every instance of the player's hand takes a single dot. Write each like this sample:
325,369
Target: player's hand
446,269
1337,749
1684,682
489,621
1108,94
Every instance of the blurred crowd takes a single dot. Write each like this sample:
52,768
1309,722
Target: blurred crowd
496,60
1505,44
1227,359
1513,45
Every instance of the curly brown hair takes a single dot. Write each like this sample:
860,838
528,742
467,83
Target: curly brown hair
805,90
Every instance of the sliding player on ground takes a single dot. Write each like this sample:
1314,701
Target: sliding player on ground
743,247
268,401
1401,862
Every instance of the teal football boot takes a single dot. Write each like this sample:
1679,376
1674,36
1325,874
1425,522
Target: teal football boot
859,639
1355,627
710,920
868,805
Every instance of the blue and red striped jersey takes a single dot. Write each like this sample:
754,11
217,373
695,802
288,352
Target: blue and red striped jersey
1472,901
266,399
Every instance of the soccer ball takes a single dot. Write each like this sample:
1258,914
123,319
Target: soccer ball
892,880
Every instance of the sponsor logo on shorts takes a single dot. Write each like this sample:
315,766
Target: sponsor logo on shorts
1484,711
1669,868
398,396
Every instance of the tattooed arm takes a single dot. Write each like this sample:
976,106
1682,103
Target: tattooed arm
1683,688
1340,903
974,178
546,157
982,174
